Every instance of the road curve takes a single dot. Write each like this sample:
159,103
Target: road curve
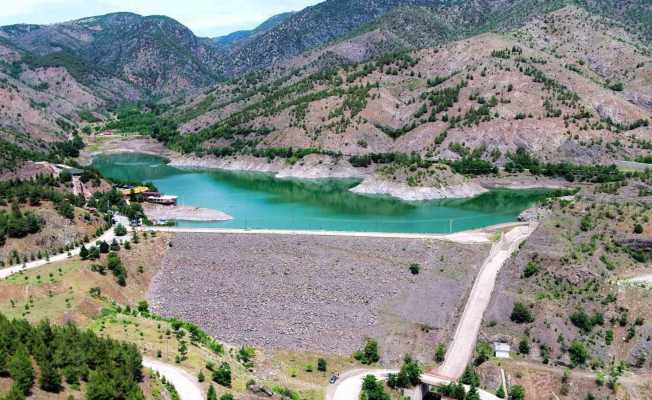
108,237
349,384
460,352
185,384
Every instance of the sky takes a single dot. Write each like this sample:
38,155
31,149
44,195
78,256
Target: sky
204,17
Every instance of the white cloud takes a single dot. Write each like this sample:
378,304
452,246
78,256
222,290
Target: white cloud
204,17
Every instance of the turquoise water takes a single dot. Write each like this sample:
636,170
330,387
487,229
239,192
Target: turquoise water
257,200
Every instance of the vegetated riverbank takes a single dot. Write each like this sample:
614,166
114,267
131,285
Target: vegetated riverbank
319,166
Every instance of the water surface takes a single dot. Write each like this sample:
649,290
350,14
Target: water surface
258,200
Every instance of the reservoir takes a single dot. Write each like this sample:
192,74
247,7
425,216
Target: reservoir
261,201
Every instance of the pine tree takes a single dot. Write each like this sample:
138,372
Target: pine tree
470,377
14,394
222,376
3,361
100,387
500,392
50,379
473,394
83,253
211,393
21,370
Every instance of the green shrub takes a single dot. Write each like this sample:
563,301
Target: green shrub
521,314
222,375
369,354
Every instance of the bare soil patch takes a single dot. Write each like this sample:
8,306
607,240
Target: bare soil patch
317,293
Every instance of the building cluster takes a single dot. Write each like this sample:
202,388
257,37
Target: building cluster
149,196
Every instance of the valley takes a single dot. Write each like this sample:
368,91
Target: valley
357,200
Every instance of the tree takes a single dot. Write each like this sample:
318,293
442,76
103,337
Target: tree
227,396
517,392
3,358
104,247
470,377
369,354
440,353
484,352
408,376
201,377
222,375
115,246
500,392
50,379
521,314
120,230
578,353
143,306
373,389
83,253
100,387
524,346
114,264
415,269
638,229
21,370
321,365
472,394
14,394
211,395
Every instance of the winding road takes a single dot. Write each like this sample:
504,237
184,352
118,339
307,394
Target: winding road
349,385
108,237
185,384
460,352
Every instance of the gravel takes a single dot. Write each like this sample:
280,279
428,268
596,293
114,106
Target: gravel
313,293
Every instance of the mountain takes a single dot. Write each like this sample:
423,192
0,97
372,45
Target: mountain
560,96
333,20
237,36
154,54
55,78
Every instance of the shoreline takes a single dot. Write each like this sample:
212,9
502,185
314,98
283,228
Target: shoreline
184,213
317,166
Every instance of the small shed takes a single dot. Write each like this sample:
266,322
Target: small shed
501,350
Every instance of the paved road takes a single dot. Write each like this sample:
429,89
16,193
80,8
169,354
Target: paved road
108,237
185,384
350,383
645,279
459,354
466,237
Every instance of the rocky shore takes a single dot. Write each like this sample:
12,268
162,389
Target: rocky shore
313,166
445,185
183,213
403,191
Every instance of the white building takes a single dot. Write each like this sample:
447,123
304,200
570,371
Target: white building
501,350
